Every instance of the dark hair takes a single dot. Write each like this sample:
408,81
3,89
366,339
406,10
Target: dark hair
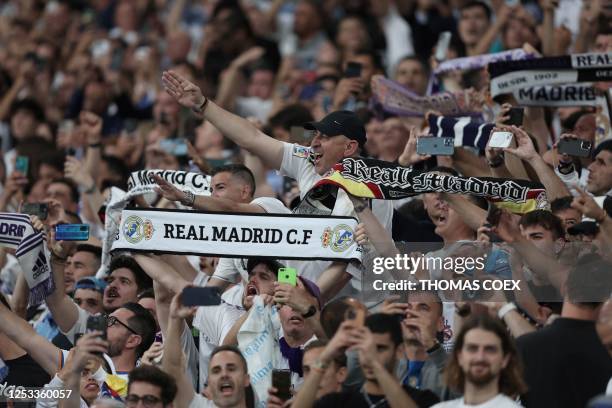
117,168
332,315
233,349
92,249
291,115
157,377
478,201
142,323
511,378
447,170
339,359
29,105
143,281
605,145
374,56
381,323
54,159
73,217
570,122
477,3
545,219
423,63
560,204
74,190
238,19
239,170
589,282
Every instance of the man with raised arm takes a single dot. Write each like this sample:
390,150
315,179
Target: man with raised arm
339,135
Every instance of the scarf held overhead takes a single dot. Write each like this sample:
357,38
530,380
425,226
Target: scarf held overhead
238,235
16,232
394,98
465,131
370,178
510,76
141,182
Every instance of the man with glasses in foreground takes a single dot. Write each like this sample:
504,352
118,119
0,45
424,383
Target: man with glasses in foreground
150,386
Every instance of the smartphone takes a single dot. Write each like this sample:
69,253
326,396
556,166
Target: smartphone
442,46
287,275
22,163
515,117
281,380
41,210
436,146
96,323
300,135
201,296
575,147
175,147
357,315
353,70
500,139
72,232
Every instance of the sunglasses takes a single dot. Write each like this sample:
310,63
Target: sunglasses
148,401
112,320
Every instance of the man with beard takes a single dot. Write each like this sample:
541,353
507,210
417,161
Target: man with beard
126,280
484,366
228,377
377,344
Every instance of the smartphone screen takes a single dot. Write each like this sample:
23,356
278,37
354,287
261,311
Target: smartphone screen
201,296
72,232
287,275
281,380
353,70
41,210
22,164
436,146
515,117
574,147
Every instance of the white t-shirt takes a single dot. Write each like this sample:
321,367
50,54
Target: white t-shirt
500,401
297,166
230,269
213,322
199,401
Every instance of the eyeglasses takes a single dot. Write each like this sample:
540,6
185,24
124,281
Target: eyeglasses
112,320
148,401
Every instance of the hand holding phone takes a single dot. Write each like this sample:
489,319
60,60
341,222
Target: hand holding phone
436,146
500,140
574,147
357,315
353,70
22,164
41,210
287,275
515,117
98,323
200,296
281,380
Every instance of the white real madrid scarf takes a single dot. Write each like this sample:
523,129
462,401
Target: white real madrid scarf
31,252
141,182
233,235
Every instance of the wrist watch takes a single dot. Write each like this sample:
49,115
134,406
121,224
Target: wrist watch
200,109
311,312
189,198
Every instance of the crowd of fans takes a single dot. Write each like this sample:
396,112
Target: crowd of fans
259,95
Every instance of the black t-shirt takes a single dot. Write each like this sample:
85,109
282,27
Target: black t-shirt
565,364
25,372
355,399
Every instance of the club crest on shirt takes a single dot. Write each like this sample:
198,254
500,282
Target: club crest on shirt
302,152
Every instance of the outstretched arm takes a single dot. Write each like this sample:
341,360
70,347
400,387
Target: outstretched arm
237,129
40,349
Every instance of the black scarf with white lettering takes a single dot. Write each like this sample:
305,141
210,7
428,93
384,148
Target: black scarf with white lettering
370,178
510,76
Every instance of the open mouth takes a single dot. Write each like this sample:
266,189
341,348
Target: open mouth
226,388
316,157
296,320
112,294
440,220
251,290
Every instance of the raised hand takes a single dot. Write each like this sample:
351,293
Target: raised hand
185,92
525,149
167,190
410,156
587,206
